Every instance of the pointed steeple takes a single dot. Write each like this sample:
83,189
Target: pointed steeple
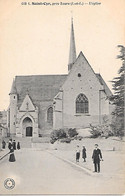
72,52
13,88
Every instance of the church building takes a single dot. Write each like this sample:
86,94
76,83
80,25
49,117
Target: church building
44,102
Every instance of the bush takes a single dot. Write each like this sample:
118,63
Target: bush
103,130
95,131
52,141
65,140
78,137
63,134
117,126
72,132
57,134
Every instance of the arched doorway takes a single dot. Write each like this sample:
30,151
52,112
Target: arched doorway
29,131
28,127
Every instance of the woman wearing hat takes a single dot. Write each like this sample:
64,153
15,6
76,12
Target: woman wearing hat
12,156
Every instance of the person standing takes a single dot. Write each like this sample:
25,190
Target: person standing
12,156
84,153
18,145
10,144
14,144
77,153
97,156
3,144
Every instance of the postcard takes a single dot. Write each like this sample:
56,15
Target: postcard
62,97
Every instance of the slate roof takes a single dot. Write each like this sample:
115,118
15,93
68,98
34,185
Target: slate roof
13,88
39,87
44,87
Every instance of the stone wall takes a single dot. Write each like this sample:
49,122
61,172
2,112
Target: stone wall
81,79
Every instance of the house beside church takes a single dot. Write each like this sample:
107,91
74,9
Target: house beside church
45,102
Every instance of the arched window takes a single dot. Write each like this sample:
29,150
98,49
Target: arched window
82,105
50,115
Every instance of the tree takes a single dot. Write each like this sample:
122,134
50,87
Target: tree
118,98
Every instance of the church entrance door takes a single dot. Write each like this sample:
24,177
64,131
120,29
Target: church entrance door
28,131
27,127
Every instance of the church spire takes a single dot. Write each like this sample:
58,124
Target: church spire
72,52
13,88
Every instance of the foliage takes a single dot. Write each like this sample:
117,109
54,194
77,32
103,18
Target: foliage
64,135
72,132
57,134
65,140
117,126
118,98
78,137
95,131
103,130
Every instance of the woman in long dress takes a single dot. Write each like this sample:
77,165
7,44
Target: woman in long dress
14,144
18,145
12,156
3,144
10,144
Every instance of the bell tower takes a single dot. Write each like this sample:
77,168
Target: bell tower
13,109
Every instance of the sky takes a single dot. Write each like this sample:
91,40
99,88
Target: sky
35,39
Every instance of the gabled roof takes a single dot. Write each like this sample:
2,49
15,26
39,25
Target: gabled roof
102,82
27,104
40,87
98,76
13,88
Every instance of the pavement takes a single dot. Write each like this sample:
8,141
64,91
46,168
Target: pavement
53,170
38,171
113,154
113,165
3,153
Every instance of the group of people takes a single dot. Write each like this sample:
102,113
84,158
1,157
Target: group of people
96,156
12,146
11,143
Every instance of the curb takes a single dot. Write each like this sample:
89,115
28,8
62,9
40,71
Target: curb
4,156
87,171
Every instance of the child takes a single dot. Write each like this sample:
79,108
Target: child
77,153
84,153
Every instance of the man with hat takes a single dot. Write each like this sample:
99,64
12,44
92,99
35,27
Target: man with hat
97,156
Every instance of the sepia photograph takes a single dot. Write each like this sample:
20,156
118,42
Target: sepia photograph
62,69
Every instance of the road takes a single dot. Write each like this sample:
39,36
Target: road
38,172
